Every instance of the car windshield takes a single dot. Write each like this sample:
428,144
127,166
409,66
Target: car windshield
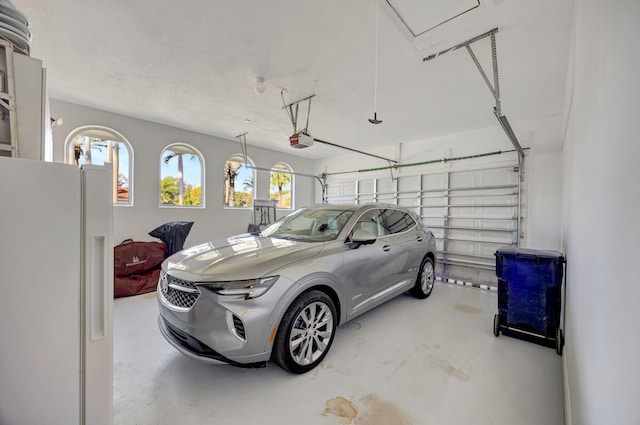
310,225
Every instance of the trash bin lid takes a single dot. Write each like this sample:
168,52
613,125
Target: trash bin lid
529,253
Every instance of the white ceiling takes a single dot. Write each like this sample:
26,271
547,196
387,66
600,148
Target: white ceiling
192,64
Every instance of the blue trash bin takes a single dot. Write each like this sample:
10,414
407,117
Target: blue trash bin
529,295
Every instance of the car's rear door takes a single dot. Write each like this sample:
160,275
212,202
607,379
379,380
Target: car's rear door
403,232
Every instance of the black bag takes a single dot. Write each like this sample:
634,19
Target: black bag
173,234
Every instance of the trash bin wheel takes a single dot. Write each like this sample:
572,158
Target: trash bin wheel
559,341
496,325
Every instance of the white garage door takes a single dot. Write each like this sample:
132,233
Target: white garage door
472,213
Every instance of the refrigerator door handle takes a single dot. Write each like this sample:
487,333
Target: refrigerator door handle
97,288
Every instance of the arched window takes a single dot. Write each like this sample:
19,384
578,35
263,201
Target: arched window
181,176
239,181
99,145
281,185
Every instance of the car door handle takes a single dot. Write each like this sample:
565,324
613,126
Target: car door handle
419,238
386,248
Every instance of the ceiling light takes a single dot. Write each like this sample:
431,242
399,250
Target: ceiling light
258,86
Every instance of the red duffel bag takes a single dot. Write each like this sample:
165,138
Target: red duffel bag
134,258
136,284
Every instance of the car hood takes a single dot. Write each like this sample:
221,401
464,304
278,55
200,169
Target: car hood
238,257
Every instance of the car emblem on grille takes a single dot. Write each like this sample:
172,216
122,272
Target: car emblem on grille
177,293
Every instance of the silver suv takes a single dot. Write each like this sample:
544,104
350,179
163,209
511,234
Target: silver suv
280,295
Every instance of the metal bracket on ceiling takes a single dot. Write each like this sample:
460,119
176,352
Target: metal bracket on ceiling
292,112
493,88
242,138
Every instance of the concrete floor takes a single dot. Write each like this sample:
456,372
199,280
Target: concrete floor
432,361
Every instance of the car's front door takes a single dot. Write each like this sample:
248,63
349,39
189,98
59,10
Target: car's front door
370,270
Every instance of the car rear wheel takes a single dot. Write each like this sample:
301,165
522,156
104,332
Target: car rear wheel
426,279
305,333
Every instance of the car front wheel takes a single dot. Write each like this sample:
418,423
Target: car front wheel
426,279
305,333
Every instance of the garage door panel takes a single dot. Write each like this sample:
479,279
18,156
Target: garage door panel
386,186
484,177
482,223
411,203
434,181
341,193
480,212
386,198
365,188
471,213
409,183
439,242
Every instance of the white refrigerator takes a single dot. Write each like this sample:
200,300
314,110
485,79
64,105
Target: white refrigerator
56,293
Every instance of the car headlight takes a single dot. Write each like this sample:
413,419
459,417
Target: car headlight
251,288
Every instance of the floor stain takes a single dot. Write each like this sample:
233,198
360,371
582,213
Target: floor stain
341,407
447,367
466,309
377,411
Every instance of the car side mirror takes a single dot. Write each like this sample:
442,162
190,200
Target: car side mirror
361,237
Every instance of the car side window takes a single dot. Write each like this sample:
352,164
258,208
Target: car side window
371,221
396,221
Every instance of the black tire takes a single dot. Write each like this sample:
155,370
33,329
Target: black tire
426,279
559,341
496,325
300,347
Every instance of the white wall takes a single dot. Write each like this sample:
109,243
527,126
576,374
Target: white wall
148,139
544,169
600,230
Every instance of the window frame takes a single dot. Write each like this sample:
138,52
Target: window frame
249,164
69,158
200,157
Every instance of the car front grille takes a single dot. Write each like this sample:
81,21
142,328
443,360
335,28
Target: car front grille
180,294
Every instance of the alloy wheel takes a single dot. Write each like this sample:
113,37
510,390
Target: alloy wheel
427,278
311,333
